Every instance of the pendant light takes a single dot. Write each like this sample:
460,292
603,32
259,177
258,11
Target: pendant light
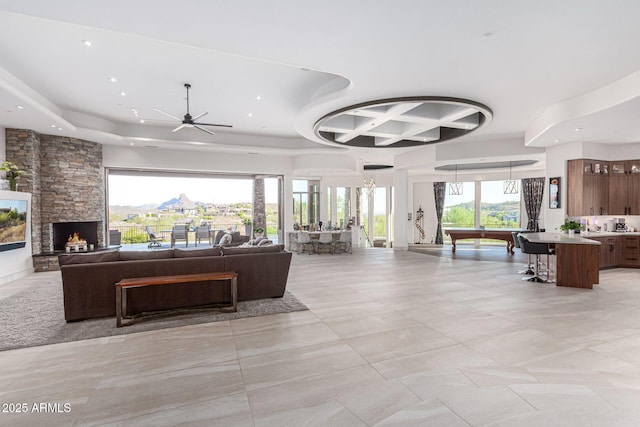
455,188
511,185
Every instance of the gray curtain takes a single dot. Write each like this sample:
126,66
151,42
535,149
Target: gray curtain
438,191
532,191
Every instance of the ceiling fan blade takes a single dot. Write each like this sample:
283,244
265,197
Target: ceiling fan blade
199,115
213,124
179,127
203,129
167,114
159,120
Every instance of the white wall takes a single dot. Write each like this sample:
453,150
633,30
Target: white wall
17,263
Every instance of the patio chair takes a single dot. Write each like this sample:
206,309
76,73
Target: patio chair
180,232
203,232
154,240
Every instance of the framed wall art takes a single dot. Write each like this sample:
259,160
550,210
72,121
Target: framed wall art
554,193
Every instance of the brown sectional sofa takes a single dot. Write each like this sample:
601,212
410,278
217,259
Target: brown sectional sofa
88,280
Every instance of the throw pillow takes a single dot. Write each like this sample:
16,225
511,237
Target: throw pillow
265,242
226,240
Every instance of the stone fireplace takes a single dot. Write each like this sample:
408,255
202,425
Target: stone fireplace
66,179
62,231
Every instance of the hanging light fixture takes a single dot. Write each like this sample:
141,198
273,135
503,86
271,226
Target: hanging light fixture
369,184
511,185
455,188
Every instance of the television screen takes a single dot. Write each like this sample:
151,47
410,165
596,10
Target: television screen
13,224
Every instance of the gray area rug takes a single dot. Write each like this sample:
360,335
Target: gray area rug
35,317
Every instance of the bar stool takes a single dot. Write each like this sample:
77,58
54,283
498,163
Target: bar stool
516,242
537,249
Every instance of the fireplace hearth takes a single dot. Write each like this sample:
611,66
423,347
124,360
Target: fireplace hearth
63,232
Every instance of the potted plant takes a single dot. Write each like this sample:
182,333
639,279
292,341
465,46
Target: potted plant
247,226
258,232
12,172
571,226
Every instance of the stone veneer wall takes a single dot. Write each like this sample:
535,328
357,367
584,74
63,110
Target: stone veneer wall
259,206
65,176
23,149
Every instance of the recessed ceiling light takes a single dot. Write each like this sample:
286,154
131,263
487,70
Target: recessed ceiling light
141,120
123,94
487,35
131,143
59,128
250,115
87,43
258,97
113,79
557,140
577,129
20,107
54,126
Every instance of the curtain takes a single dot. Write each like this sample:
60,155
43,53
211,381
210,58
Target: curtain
532,191
438,191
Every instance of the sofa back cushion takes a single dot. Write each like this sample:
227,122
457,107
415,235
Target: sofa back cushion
138,255
242,250
189,253
106,256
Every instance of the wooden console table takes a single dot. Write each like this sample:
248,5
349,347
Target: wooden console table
139,282
477,233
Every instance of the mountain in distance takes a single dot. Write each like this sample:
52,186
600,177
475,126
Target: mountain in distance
181,202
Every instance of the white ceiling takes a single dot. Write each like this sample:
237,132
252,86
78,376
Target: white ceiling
544,68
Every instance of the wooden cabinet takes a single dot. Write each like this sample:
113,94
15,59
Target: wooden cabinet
610,251
630,251
624,188
587,187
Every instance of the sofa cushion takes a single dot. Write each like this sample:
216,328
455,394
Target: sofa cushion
252,250
106,256
235,237
188,253
136,255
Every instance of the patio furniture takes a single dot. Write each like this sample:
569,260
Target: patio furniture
203,232
180,232
154,240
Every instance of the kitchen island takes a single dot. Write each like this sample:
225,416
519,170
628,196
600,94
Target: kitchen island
577,258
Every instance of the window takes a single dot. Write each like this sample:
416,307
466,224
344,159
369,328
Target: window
306,202
498,210
380,213
343,202
459,211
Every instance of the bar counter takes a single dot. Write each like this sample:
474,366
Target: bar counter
577,258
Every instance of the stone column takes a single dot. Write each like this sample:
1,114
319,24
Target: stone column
23,148
259,205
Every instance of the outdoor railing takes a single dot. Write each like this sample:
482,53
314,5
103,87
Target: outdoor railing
137,233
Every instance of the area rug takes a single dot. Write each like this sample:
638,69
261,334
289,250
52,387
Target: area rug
35,317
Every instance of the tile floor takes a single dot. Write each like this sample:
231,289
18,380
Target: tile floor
391,338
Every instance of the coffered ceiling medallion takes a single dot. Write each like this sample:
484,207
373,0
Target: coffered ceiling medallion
403,122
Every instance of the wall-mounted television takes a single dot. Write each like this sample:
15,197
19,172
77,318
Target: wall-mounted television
13,224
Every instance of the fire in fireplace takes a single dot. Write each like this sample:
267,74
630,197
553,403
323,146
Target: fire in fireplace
74,233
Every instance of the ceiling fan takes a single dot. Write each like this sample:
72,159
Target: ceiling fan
190,122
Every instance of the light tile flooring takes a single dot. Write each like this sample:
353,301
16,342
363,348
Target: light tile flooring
392,338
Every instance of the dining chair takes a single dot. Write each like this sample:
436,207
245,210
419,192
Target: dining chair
344,242
325,241
304,241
